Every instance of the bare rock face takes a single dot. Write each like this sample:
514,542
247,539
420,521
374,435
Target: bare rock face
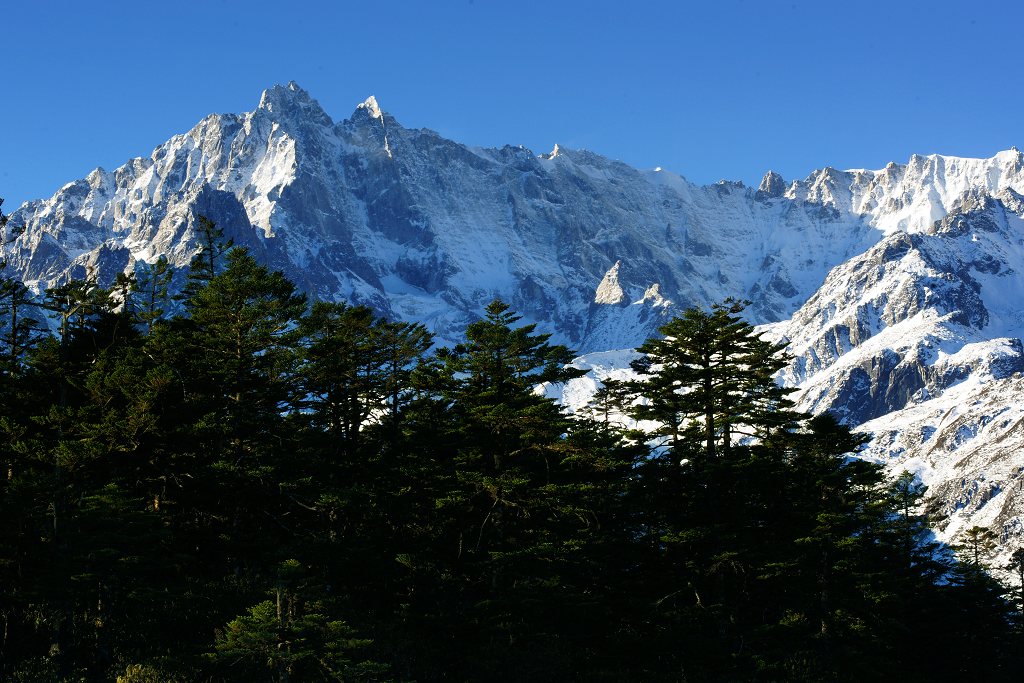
772,186
900,291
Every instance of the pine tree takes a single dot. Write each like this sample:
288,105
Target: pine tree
221,455
978,543
292,637
353,370
153,291
210,257
710,379
73,481
778,555
611,403
354,488
19,329
240,332
1017,566
511,555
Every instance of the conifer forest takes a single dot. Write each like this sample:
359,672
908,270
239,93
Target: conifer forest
227,481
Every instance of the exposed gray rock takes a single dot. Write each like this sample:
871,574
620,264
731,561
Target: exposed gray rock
900,290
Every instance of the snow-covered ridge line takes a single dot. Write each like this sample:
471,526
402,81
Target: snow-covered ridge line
895,287
489,222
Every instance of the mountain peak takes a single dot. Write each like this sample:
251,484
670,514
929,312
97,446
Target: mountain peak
371,107
610,291
290,99
772,185
1010,155
556,151
898,283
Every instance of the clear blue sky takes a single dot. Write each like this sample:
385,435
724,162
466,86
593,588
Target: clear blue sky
710,90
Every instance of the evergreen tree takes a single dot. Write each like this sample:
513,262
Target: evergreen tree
711,379
292,638
355,489
19,329
1016,565
510,556
978,544
221,457
778,555
153,291
353,370
73,482
256,489
611,403
239,336
209,259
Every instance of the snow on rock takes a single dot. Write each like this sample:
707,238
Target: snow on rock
371,106
555,151
427,229
899,290
964,445
609,291
772,186
917,342
577,393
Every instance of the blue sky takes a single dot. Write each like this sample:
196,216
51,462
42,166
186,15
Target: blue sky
709,90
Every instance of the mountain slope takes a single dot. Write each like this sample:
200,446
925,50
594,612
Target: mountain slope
899,290
423,228
918,341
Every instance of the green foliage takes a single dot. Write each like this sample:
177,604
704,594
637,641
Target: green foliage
148,673
207,262
977,545
806,563
710,380
354,371
151,292
292,636
258,488
307,646
1016,565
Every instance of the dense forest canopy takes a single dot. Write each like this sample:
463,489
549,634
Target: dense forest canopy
267,488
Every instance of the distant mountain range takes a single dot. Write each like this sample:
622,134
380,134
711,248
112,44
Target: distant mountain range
900,291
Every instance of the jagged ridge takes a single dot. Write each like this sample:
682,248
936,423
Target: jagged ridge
899,289
423,228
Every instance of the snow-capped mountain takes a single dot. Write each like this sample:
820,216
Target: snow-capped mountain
426,229
918,341
900,290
